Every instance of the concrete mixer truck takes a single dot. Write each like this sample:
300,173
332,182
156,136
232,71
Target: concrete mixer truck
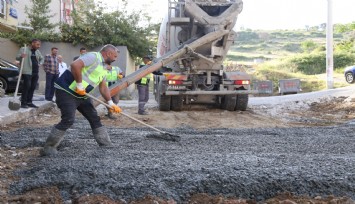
193,42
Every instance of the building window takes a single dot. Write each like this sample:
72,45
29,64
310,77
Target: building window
2,8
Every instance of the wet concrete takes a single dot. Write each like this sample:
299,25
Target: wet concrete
247,163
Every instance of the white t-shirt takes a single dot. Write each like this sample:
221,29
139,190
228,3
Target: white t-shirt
62,67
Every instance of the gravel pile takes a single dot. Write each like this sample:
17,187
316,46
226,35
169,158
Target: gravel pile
247,163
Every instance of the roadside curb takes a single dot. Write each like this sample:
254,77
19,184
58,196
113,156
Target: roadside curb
9,116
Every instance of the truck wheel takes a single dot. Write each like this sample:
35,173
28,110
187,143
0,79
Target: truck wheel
164,103
177,103
242,102
229,102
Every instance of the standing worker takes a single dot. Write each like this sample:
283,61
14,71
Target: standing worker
143,88
51,68
86,73
32,60
82,52
114,75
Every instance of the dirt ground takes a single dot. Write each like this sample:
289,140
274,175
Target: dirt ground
327,112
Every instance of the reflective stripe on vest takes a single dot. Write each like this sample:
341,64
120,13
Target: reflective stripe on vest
144,80
93,74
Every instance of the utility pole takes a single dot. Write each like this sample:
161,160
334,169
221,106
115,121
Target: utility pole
329,56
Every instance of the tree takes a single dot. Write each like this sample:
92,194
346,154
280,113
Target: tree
348,44
323,26
39,15
93,27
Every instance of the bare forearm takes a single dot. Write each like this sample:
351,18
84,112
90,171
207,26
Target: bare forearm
76,71
105,92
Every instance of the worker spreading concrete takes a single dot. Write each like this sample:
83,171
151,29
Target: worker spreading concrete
85,74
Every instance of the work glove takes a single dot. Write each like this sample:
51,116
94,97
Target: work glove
120,76
80,89
114,108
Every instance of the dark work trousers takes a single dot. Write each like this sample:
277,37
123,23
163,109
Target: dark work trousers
68,104
28,87
143,97
50,79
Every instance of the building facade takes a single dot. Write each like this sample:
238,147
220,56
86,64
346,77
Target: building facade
8,16
13,15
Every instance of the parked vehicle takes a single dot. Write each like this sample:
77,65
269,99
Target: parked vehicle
349,73
8,75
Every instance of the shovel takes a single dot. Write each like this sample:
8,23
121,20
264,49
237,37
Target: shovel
15,103
162,136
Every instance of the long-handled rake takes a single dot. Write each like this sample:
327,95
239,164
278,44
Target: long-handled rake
162,136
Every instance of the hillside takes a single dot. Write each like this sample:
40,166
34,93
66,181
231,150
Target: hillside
249,46
283,54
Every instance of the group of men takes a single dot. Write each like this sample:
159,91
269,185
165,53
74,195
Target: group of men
71,85
32,58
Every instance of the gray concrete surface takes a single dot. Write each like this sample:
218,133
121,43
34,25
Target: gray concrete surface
254,163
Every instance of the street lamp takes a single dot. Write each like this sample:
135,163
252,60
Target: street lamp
329,56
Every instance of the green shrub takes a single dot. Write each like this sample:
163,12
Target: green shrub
247,36
315,63
292,47
343,59
318,34
238,58
309,63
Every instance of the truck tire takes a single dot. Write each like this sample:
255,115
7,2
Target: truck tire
164,103
242,102
177,103
229,102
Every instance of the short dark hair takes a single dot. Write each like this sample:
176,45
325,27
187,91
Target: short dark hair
35,40
83,48
147,57
54,48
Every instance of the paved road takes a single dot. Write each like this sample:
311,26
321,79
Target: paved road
255,163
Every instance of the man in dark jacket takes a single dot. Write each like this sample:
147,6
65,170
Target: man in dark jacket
33,59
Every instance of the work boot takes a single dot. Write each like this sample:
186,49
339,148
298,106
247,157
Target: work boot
143,113
24,105
52,142
110,115
101,136
32,105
